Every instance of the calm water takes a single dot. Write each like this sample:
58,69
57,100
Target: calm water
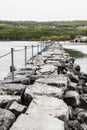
5,62
82,61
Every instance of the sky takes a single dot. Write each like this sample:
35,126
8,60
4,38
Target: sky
43,10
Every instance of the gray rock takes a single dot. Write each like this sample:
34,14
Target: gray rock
74,125
72,77
81,82
84,96
84,88
76,111
83,100
82,117
30,67
25,71
2,92
60,81
47,69
72,98
35,77
79,89
49,106
55,63
83,127
12,89
25,81
16,108
5,99
44,89
37,122
72,86
76,69
26,97
7,118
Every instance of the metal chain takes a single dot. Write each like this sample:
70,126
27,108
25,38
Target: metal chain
5,55
28,47
18,50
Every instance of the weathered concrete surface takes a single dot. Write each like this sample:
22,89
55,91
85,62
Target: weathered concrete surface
37,122
49,106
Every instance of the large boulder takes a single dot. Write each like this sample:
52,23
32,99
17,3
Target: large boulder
29,67
20,80
83,100
76,111
72,98
72,86
74,78
59,81
37,122
7,118
12,89
74,125
26,96
82,116
84,89
44,89
49,106
16,108
55,63
5,99
35,77
47,69
83,126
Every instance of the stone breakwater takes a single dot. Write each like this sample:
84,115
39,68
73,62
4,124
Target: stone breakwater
48,94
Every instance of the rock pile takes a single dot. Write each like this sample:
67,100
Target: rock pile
48,94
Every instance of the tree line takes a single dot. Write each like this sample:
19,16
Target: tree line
31,30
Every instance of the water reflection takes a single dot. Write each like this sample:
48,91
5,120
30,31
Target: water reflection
80,53
76,54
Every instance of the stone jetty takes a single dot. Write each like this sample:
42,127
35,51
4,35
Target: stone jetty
50,93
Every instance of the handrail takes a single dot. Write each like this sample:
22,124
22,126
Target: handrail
40,48
5,54
18,50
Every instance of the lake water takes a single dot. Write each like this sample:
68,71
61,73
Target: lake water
5,62
79,47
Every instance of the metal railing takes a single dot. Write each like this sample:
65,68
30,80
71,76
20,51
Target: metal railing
40,48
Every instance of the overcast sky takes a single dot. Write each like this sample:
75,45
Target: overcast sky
43,10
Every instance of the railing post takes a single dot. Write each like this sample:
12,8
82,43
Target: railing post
32,52
37,49
44,46
12,63
41,48
25,55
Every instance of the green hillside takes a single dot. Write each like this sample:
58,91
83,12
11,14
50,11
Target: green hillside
31,30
